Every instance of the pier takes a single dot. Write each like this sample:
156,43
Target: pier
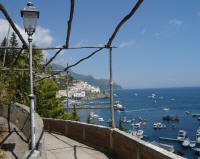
98,103
88,106
169,139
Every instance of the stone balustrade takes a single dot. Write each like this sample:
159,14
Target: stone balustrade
119,144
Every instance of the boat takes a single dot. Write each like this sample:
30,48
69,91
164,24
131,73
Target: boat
187,112
181,135
192,144
159,125
115,95
198,118
95,116
129,121
167,147
165,109
186,142
118,107
137,125
198,136
138,133
153,95
100,119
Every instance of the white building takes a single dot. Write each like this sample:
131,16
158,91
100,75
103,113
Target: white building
61,93
79,94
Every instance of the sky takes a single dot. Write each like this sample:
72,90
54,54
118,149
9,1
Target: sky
157,48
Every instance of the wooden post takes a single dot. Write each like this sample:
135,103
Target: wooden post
111,92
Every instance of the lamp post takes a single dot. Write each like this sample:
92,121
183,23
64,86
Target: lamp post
30,16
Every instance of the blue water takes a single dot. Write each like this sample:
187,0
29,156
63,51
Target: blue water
178,100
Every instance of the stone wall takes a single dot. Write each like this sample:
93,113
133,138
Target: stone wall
120,144
18,114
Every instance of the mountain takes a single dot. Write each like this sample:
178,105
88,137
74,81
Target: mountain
103,84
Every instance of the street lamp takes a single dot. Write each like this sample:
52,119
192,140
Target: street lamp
30,16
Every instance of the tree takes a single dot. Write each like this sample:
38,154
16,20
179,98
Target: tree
15,86
121,127
89,120
73,115
47,104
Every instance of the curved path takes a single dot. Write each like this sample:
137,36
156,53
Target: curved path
59,147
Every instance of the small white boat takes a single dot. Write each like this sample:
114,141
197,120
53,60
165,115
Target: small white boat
137,125
95,116
153,95
118,107
129,121
186,142
138,133
100,119
192,144
181,135
167,147
165,109
92,114
115,95
198,136
187,112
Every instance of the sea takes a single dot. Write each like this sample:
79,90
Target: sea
138,104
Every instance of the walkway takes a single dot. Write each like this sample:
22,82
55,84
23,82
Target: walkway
14,144
61,147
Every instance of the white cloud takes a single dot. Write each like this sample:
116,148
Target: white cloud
41,37
198,14
126,44
175,22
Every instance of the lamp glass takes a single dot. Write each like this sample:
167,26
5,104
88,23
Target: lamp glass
30,21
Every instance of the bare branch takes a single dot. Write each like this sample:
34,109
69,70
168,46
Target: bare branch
47,77
13,25
67,68
70,23
56,48
123,21
83,59
53,58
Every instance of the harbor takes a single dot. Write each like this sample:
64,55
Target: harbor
141,112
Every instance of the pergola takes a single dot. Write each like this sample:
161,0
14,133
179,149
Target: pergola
108,46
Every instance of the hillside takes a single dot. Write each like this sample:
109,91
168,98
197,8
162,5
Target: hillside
103,84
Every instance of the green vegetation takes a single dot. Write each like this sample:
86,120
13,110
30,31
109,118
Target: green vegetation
73,115
121,127
14,85
89,120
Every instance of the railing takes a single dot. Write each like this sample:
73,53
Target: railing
120,144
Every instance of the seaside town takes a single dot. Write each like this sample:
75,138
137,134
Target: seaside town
78,90
99,79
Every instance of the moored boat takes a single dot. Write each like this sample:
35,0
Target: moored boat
198,136
186,142
118,107
192,144
181,135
